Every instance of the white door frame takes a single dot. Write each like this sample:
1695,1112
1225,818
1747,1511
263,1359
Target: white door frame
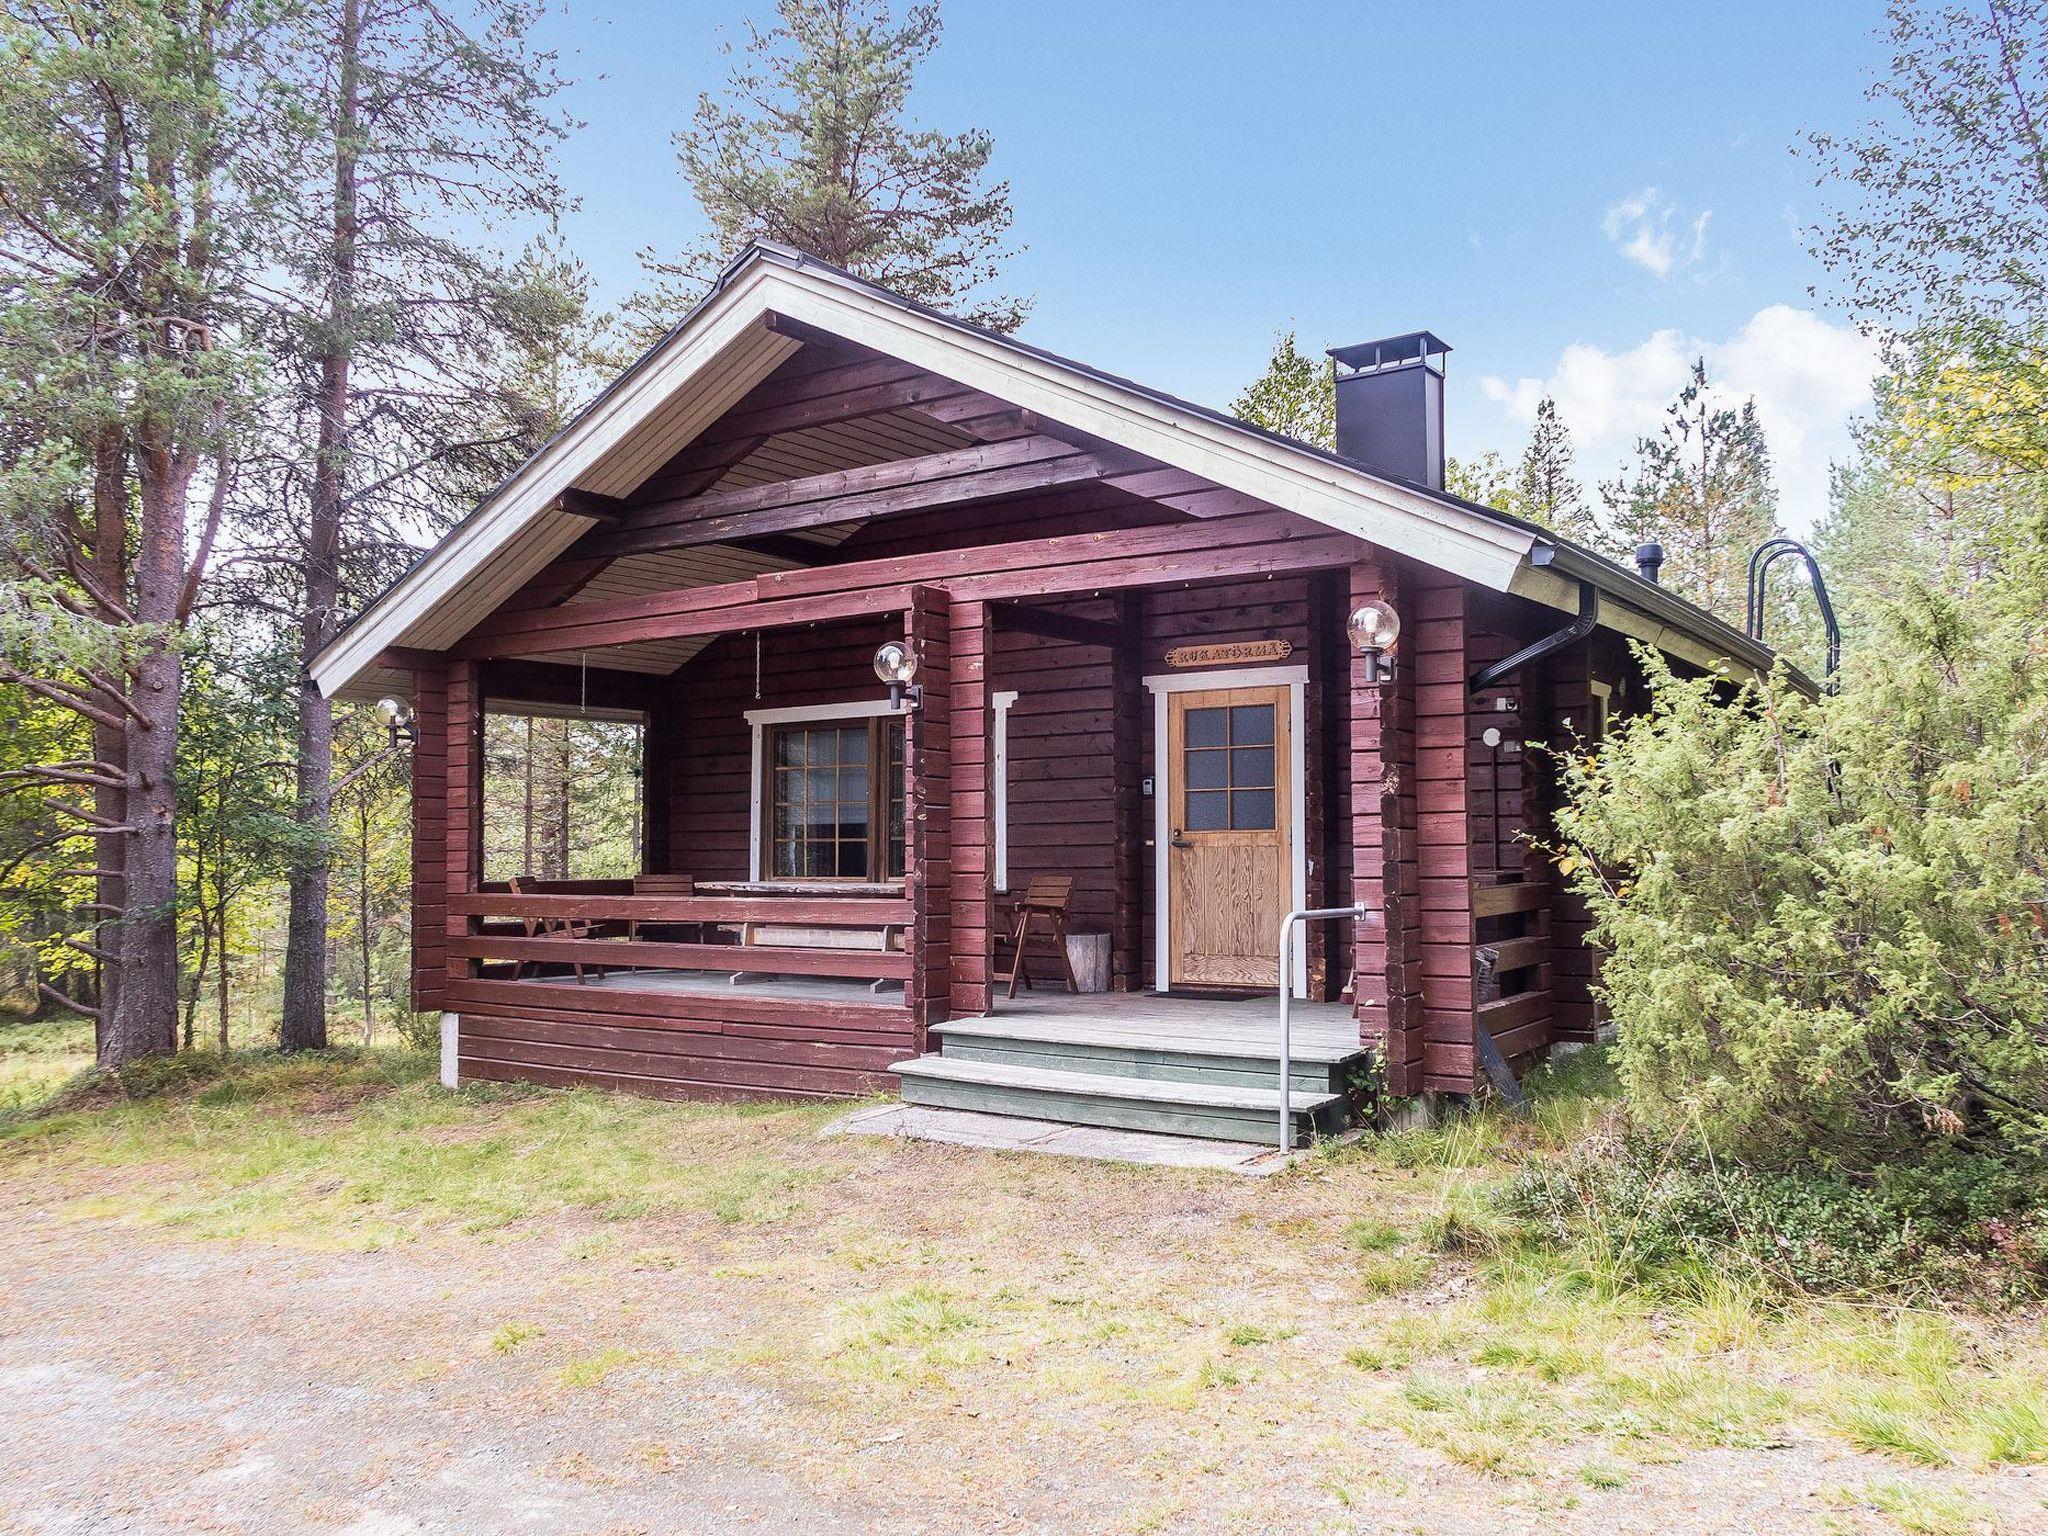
1295,679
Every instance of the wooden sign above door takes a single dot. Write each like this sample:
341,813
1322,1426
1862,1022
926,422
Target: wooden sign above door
1235,653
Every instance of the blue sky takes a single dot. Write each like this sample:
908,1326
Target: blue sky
1576,198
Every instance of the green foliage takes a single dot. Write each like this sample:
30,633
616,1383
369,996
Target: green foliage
1547,488
809,144
1824,920
1668,1215
1296,396
1487,480
561,797
1701,488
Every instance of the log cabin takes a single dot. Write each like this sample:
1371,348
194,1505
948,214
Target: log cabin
917,622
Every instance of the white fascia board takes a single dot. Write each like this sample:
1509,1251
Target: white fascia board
502,518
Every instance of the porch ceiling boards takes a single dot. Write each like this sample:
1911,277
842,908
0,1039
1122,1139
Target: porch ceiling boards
1247,545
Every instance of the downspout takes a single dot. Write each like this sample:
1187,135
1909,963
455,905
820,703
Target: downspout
1494,673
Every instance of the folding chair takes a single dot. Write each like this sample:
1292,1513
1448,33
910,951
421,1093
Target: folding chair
1042,920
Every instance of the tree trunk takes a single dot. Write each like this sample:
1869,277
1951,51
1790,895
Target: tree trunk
220,916
526,854
363,908
304,1023
144,1021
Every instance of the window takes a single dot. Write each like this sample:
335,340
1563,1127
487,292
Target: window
832,802
1229,769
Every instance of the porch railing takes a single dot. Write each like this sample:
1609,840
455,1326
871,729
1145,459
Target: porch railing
606,926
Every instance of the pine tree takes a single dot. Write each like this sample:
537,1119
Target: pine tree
412,125
809,144
1296,396
1546,485
130,209
1702,488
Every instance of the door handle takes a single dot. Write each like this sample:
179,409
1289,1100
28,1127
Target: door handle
1180,841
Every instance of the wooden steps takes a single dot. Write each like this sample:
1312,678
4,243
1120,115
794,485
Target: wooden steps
1221,1085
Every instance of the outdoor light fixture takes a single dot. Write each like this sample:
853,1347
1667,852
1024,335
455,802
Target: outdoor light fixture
398,720
895,666
1374,627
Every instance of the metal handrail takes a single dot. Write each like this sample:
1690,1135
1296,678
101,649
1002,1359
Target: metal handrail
1287,925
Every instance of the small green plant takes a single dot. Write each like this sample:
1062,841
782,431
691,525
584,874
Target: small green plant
512,1335
591,1370
1369,1236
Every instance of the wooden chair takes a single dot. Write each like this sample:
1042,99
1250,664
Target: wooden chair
663,885
552,928
1042,920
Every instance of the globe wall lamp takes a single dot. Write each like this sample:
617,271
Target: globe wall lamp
398,721
1374,628
896,666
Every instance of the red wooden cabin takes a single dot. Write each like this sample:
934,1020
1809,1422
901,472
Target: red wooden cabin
1127,619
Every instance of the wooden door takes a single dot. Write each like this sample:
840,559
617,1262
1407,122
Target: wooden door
1230,859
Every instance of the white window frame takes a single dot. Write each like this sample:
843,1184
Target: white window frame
1295,680
1000,703
793,714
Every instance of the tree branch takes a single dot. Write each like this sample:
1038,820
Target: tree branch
66,1002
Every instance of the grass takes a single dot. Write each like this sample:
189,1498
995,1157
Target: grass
892,1289
355,1149
39,1059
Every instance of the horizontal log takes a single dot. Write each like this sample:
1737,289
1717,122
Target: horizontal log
864,965
819,912
735,1008
956,478
1512,1012
1518,896
1514,954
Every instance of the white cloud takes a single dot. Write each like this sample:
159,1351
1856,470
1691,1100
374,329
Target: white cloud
1807,375
1648,229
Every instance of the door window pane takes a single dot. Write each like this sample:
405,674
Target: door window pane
1251,810
1208,810
1209,769
1251,725
1208,727
1251,767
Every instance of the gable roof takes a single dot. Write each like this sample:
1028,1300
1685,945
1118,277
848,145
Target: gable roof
724,347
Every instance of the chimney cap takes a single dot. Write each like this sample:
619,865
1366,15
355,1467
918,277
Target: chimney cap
1409,347
1649,560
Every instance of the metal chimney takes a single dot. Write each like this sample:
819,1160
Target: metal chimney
1390,406
1649,560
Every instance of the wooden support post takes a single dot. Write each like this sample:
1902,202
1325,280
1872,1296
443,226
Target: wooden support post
463,832
1385,874
1127,747
1434,640
928,782
430,835
972,824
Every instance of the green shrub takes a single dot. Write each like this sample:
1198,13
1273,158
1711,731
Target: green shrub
1826,921
1661,1214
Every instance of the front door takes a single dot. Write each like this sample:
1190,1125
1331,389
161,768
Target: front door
1229,785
